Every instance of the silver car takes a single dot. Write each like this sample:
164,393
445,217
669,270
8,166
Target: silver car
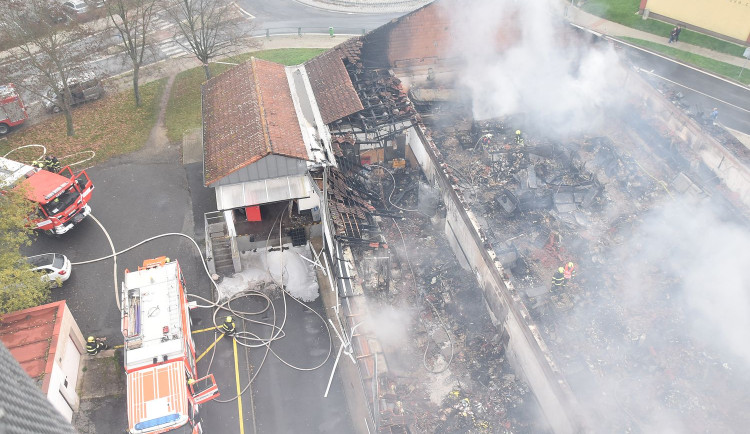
75,7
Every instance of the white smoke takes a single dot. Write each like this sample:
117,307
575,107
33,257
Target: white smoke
708,257
676,324
392,325
521,57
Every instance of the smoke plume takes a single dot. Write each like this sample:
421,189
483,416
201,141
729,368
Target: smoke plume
521,57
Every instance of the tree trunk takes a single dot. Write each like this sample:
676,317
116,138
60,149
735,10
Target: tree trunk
69,122
206,70
136,89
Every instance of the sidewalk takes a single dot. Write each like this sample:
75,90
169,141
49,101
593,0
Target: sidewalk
609,28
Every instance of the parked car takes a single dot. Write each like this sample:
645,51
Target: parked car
56,15
75,7
82,89
54,268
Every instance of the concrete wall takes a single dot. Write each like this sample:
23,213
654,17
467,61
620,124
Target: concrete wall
526,350
725,17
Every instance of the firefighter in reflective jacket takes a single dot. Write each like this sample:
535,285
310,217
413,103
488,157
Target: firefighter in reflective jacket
558,279
569,272
519,139
93,346
228,328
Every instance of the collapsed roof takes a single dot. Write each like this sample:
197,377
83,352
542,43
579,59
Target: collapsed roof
529,207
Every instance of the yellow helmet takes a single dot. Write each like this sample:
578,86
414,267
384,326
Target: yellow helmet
91,339
229,319
560,270
570,265
518,132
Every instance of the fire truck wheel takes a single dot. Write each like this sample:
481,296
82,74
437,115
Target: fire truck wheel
51,234
56,109
4,128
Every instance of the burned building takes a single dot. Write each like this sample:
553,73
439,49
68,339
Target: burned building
443,230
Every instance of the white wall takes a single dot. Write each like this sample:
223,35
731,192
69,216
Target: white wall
54,393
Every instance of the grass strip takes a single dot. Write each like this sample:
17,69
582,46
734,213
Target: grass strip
624,12
110,126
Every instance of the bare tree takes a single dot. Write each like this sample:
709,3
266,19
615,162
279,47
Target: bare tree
209,28
132,21
49,52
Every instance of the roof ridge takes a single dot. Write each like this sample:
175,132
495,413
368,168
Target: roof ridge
263,124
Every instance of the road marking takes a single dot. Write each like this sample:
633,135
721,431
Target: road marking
209,348
161,24
204,330
694,90
171,48
244,12
654,53
239,389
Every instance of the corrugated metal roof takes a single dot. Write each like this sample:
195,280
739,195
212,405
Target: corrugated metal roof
25,408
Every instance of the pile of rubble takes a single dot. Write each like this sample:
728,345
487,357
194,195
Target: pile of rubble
449,374
542,203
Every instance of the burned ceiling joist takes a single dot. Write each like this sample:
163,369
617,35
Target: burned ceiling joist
352,212
386,111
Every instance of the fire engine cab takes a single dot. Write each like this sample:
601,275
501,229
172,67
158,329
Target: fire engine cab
12,110
62,197
163,388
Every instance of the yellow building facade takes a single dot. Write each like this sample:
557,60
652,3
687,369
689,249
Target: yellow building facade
726,17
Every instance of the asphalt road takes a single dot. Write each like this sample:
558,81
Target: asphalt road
147,194
288,15
702,92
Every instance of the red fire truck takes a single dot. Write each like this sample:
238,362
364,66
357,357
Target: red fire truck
62,197
163,389
12,110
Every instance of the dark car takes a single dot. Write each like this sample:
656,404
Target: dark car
86,88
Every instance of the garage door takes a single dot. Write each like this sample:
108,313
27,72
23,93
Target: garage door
70,363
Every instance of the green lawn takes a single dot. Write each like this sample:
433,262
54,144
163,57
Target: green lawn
624,12
184,107
110,126
705,63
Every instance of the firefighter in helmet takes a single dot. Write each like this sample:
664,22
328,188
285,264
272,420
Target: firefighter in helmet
519,140
94,346
569,272
558,279
228,328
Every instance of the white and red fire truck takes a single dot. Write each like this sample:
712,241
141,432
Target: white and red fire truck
12,110
163,389
62,197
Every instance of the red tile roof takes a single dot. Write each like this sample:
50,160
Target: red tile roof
248,113
425,37
277,108
31,336
333,89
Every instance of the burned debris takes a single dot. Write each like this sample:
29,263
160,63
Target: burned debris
454,376
542,203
